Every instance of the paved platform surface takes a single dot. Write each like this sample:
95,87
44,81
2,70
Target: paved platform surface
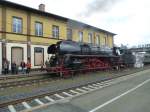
131,95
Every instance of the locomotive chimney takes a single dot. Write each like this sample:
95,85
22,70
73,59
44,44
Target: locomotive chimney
42,7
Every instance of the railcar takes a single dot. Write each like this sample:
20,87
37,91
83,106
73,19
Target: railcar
146,60
127,58
70,57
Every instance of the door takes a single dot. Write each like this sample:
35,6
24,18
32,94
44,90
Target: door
0,57
17,55
38,56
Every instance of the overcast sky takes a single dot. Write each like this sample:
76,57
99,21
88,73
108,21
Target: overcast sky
129,19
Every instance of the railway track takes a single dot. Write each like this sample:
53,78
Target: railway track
36,79
24,83
48,98
8,77
26,80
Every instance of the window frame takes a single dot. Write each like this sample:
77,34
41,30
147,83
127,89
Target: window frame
69,34
17,31
98,40
80,38
90,40
37,22
55,32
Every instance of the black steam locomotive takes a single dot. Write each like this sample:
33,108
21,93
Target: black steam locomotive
69,57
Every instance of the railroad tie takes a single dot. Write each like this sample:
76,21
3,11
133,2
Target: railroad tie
26,105
67,94
59,96
75,92
100,84
39,102
12,108
92,87
87,88
96,85
49,99
81,90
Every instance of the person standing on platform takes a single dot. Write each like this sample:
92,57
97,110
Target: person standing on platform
5,67
8,62
28,65
13,68
23,65
42,66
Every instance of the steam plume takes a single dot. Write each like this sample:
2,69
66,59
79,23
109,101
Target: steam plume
99,6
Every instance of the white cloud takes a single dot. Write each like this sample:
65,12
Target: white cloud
129,19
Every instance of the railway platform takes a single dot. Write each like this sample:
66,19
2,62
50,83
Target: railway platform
22,74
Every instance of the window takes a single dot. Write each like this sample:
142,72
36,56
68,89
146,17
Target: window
97,40
17,25
38,56
69,34
80,36
55,31
90,37
38,29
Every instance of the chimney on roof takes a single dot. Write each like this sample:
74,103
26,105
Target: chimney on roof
42,7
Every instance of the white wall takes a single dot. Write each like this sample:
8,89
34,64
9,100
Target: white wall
24,46
8,50
139,59
0,57
32,54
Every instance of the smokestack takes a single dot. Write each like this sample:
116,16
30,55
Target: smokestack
42,7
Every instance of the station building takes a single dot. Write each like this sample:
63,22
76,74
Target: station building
26,33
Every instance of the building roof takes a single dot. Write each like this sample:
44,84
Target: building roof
22,7
78,24
42,13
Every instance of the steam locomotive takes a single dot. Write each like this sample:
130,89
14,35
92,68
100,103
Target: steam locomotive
70,57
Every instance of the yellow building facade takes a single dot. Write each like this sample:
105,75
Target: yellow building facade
26,33
105,37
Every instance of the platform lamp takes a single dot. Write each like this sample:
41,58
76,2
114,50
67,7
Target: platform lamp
29,51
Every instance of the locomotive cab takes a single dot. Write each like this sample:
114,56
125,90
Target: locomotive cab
52,49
